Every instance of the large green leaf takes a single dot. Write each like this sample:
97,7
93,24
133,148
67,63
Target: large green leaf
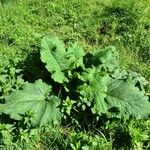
75,54
106,58
128,99
34,99
60,60
94,89
53,53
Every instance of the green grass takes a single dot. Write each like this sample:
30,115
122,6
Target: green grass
124,24
92,23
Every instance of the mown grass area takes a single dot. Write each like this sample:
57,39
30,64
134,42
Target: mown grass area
124,24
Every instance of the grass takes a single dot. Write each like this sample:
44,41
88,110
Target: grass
93,23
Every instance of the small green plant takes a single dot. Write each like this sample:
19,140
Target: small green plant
140,134
10,80
6,134
92,82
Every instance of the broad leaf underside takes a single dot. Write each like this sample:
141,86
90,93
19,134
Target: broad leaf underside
128,99
35,100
